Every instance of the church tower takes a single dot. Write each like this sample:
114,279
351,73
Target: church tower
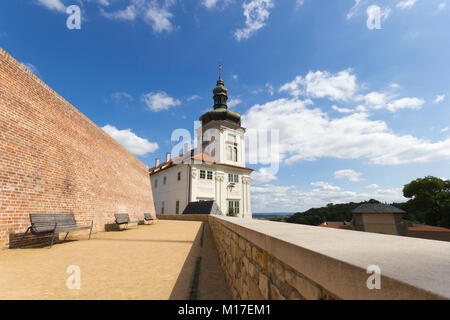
221,130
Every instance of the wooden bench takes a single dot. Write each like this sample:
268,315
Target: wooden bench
148,219
51,223
123,219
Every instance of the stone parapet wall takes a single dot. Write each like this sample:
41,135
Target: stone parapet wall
272,260
253,274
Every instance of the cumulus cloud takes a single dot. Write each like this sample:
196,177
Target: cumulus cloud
157,16
159,101
322,84
353,136
121,97
234,102
407,4
349,174
439,98
271,198
130,141
256,13
325,186
343,87
193,98
55,5
262,176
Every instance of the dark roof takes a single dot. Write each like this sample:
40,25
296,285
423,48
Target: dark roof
203,207
377,208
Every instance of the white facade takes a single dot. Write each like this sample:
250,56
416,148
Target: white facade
215,170
202,182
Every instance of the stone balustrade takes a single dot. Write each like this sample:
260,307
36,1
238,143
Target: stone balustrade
272,260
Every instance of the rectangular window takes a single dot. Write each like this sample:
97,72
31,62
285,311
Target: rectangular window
156,183
210,175
162,207
236,207
236,178
177,207
179,176
202,174
230,178
233,208
164,180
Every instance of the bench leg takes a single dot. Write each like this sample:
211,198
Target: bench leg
53,239
90,232
23,237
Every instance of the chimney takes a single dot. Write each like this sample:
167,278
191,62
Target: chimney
186,148
167,156
157,162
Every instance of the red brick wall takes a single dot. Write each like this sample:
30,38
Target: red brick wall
53,159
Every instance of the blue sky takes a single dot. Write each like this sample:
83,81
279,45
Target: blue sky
360,111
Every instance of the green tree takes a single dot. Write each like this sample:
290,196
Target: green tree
431,197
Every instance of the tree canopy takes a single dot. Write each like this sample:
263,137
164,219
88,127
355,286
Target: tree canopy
429,204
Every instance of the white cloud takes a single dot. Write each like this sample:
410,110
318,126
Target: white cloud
159,101
121,97
442,5
157,16
127,14
342,110
405,103
270,89
407,4
322,84
353,10
193,98
271,198
55,5
439,98
443,130
394,85
262,176
234,102
234,77
354,136
256,13
373,186
349,174
130,141
325,186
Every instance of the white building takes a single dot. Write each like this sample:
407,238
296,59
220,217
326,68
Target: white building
216,170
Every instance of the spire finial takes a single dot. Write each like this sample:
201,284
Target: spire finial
220,70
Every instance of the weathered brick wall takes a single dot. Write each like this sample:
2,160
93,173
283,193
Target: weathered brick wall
253,274
53,159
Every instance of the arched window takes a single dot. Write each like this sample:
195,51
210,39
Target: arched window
230,153
235,154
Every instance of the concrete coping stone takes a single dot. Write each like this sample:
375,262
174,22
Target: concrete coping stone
337,260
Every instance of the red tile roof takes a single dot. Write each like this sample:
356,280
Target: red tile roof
436,229
201,156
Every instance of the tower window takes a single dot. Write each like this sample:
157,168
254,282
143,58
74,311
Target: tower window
210,175
202,174
164,180
179,176
230,153
156,183
162,207
177,207
235,154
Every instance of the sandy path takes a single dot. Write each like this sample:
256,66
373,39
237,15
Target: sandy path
150,262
